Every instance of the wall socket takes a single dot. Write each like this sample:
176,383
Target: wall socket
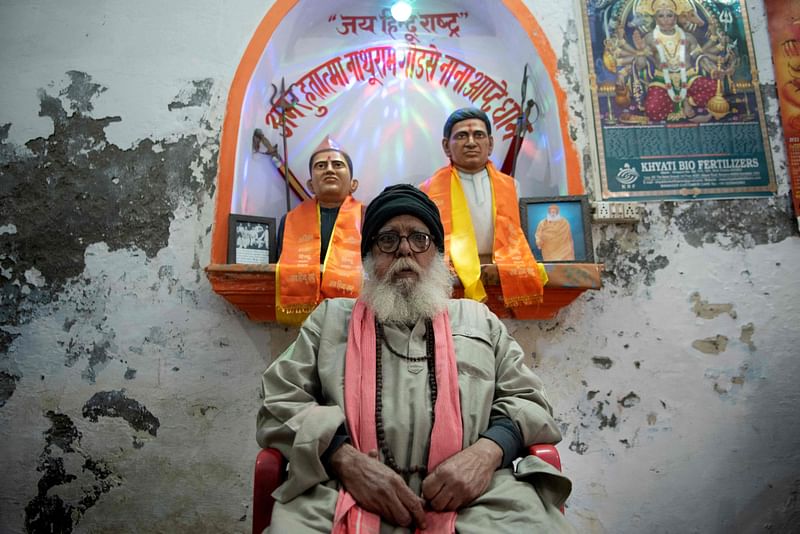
617,212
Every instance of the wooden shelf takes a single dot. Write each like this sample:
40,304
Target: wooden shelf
251,288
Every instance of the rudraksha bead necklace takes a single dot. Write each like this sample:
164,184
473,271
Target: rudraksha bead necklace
382,337
430,358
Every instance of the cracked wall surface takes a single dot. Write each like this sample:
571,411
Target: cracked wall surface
128,389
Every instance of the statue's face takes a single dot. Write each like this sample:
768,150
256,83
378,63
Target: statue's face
666,20
469,145
330,179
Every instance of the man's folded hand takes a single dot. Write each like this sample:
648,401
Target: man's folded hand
377,488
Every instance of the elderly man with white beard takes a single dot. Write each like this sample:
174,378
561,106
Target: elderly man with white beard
404,409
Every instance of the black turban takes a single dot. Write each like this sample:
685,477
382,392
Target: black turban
401,199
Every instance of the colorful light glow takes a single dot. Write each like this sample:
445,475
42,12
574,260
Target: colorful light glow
401,11
391,125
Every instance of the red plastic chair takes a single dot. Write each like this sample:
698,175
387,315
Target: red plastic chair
271,471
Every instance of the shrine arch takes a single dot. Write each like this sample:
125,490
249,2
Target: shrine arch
388,120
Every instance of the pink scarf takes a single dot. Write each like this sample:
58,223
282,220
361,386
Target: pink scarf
359,405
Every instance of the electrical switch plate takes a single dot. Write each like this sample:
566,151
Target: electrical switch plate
602,211
630,210
617,212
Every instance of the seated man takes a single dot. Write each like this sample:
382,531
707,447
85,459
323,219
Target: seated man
323,230
405,408
480,214
554,236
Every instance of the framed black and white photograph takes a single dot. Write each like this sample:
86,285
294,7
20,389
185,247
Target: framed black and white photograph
558,228
251,239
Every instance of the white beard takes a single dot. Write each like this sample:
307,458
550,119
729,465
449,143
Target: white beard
405,300
553,218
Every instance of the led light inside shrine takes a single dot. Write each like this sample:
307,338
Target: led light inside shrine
401,11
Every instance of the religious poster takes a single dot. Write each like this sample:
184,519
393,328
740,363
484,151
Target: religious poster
783,18
677,106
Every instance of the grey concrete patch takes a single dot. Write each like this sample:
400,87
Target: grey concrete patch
198,95
5,149
630,400
626,266
94,192
602,362
711,345
90,339
704,310
6,340
49,513
8,384
564,64
62,432
116,404
772,121
578,447
732,224
746,336
609,421
726,383
81,91
50,510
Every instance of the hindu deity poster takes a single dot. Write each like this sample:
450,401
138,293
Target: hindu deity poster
784,30
677,107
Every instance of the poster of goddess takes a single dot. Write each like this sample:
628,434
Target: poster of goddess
677,106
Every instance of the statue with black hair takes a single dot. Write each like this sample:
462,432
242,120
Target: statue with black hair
479,206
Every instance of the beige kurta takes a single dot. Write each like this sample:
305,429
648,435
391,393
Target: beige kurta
303,407
554,238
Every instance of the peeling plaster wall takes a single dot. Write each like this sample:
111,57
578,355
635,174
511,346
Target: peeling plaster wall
128,389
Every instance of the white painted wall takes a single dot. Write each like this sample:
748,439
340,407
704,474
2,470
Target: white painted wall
709,444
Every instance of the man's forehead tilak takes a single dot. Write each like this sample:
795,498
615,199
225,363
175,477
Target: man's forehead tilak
329,155
469,124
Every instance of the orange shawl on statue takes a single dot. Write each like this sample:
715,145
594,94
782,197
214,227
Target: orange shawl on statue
522,279
298,288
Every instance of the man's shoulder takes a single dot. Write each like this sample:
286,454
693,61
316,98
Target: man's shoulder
342,305
468,310
335,311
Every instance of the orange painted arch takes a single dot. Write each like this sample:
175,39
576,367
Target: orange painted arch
249,62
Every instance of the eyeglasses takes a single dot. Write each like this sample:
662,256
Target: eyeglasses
389,242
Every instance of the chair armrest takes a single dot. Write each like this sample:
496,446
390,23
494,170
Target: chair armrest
269,473
548,453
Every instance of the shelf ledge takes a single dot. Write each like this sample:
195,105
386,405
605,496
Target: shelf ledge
251,288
